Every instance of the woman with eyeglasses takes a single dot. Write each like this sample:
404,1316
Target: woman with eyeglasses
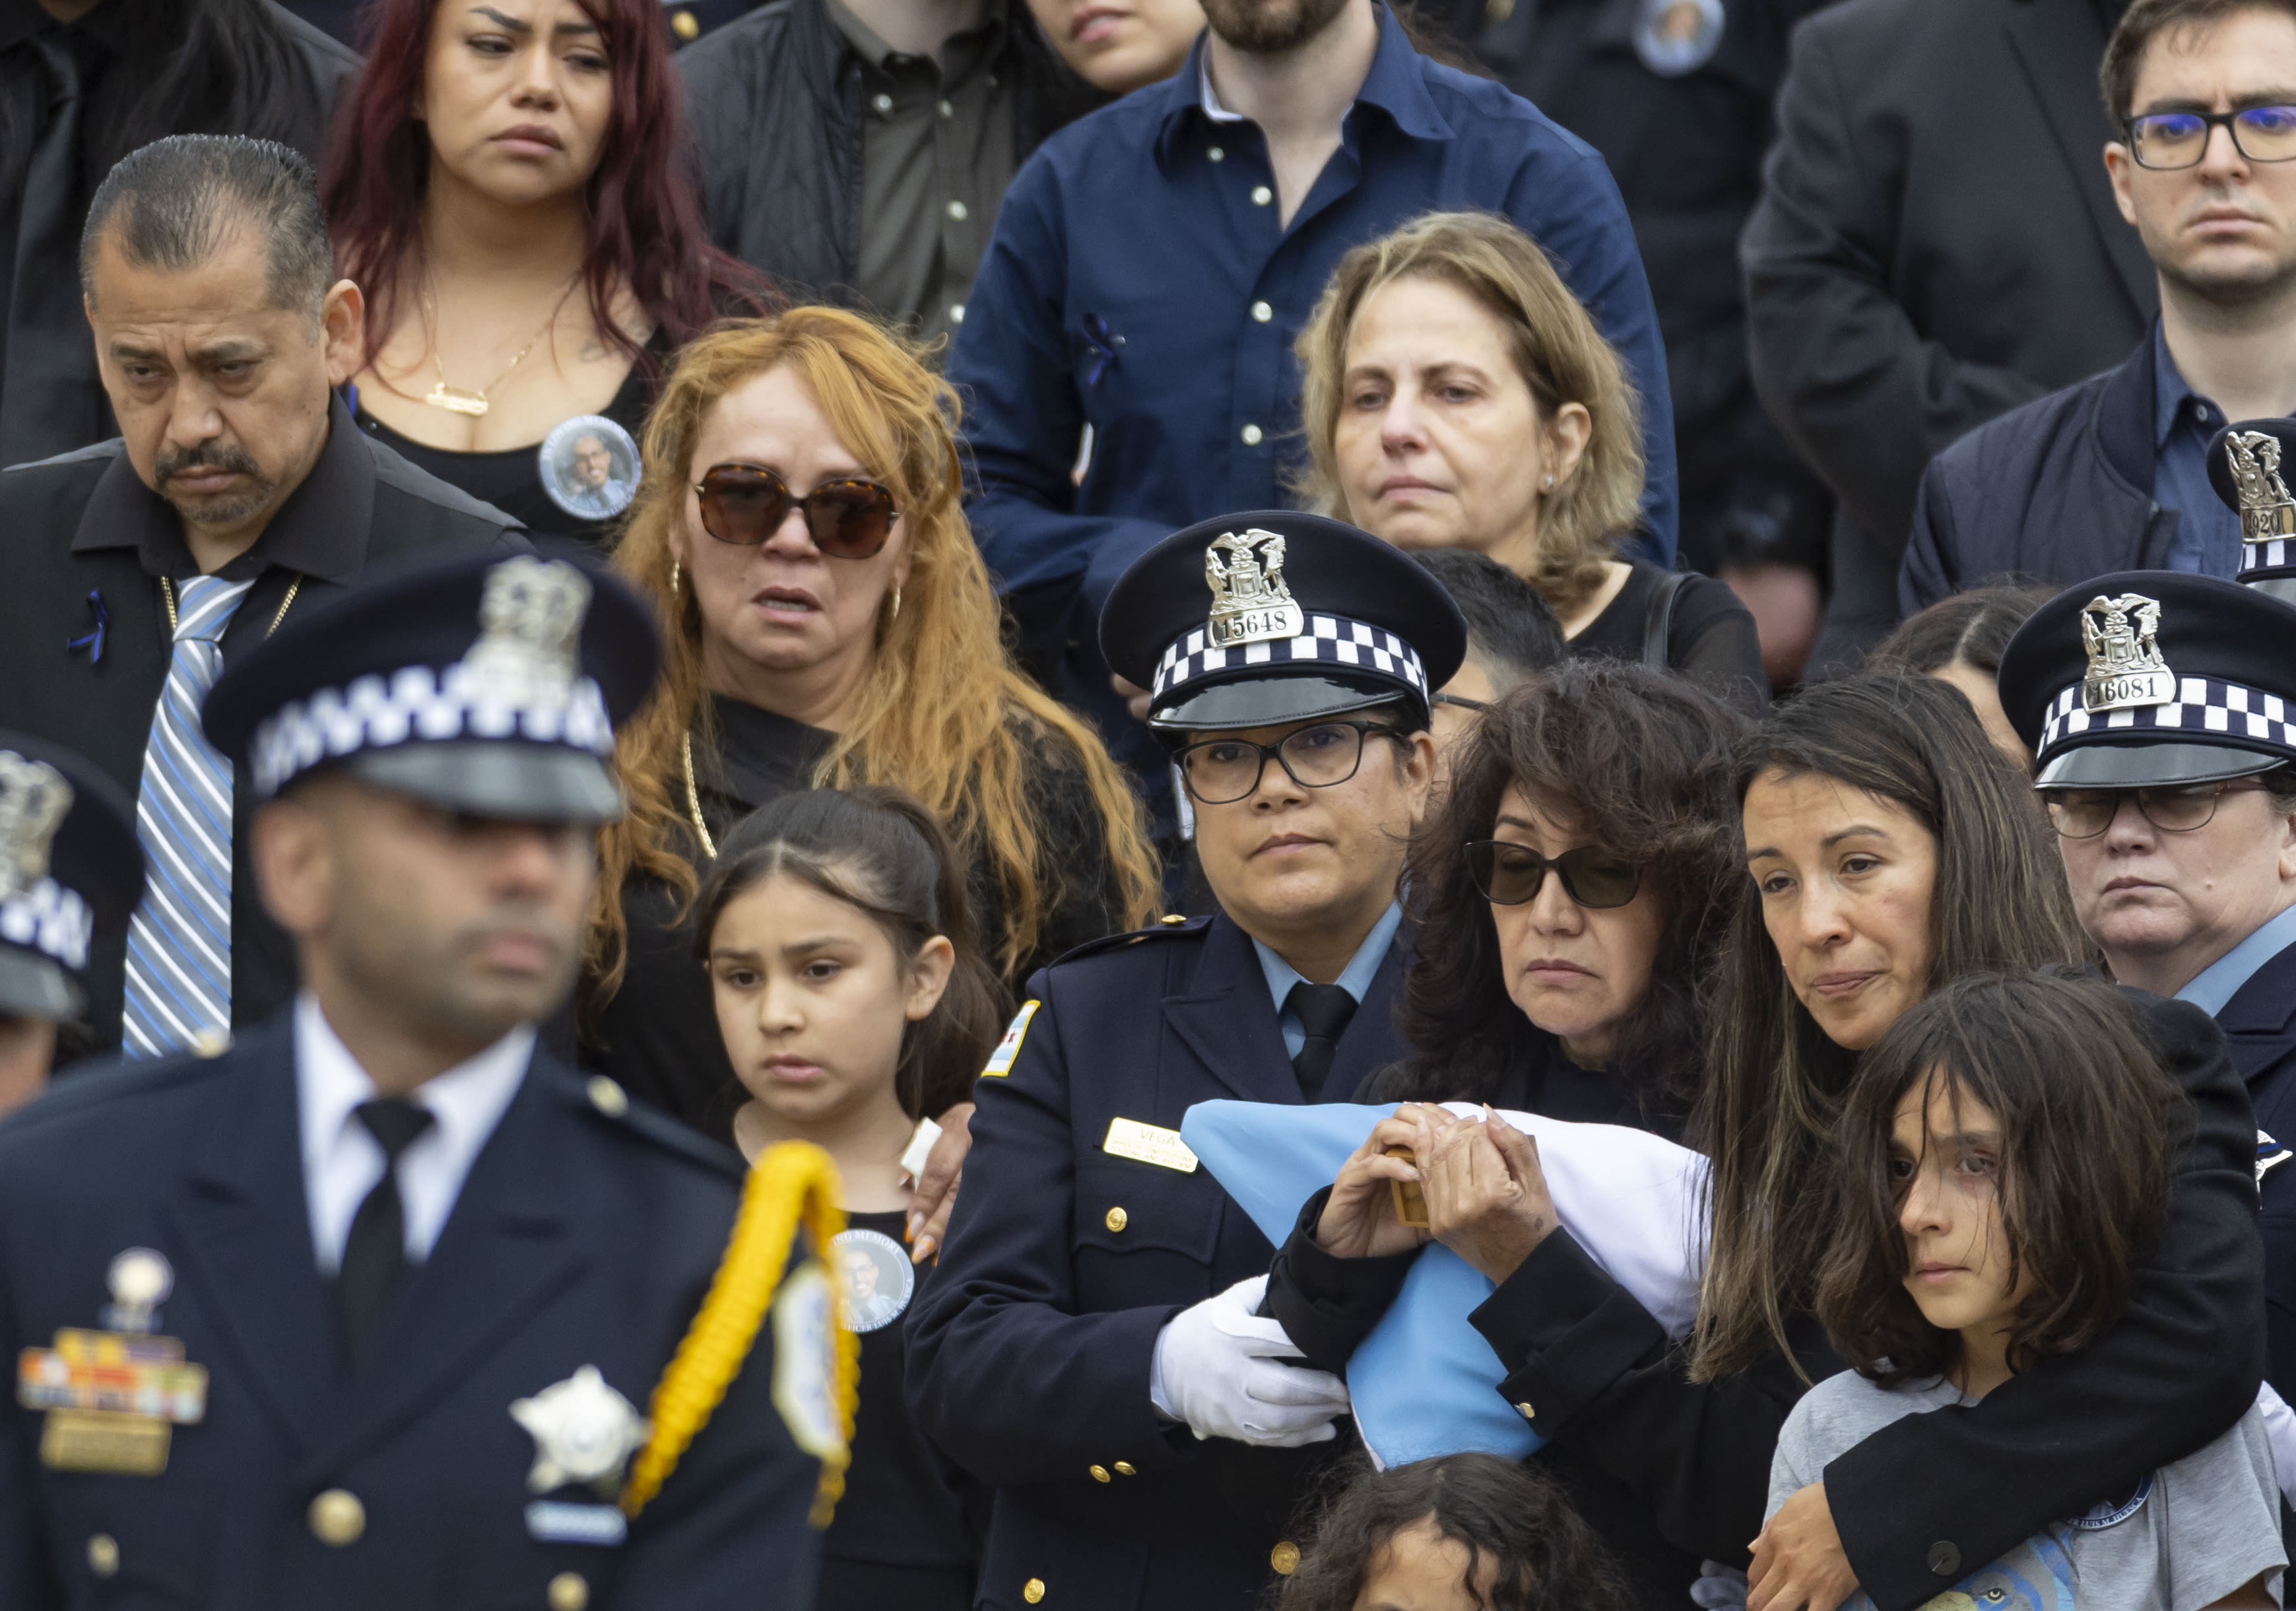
1891,849
827,621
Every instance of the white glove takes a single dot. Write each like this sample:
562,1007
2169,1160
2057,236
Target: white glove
1215,1369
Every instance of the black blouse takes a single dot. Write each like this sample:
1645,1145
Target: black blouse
511,478
1710,639
658,1034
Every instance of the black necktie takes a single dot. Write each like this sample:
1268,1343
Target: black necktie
51,396
1322,1011
374,1255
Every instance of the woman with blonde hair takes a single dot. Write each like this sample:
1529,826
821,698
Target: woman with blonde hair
827,622
1456,394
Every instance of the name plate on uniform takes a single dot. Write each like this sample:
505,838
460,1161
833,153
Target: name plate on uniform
113,1400
1148,1143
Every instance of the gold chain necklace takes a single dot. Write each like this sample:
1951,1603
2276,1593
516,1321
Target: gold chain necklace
455,399
168,592
693,801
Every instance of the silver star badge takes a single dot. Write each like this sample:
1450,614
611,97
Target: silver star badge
583,1432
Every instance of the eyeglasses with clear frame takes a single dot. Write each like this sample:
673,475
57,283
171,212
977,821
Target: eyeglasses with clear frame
2175,808
2172,140
1221,771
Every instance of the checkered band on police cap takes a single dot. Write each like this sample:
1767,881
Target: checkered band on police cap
2205,709
1329,640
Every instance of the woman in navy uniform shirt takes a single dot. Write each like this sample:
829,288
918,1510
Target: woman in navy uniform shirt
1091,1347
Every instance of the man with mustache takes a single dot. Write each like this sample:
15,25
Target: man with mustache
238,494
2111,474
389,1283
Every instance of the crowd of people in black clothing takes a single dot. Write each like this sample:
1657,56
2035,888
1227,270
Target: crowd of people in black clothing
1522,822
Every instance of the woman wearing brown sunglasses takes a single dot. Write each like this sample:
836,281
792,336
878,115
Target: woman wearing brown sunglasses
827,621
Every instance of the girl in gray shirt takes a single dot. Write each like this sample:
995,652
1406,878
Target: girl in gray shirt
2002,1154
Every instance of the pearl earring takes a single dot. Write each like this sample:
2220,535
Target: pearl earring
1547,483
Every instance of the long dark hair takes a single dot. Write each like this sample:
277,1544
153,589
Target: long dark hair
1970,628
193,67
1510,1518
2087,1119
877,850
644,205
1638,760
1775,1081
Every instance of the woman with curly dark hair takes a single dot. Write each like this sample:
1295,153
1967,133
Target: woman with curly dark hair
1567,899
1463,1533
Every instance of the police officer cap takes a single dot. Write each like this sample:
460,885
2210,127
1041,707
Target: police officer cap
2249,465
1272,616
70,867
2154,677
484,685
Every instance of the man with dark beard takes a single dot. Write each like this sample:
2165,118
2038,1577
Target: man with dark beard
1154,261
238,491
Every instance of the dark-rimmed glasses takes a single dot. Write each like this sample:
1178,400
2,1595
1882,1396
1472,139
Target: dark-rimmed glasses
2176,808
1461,702
1221,771
746,504
2172,140
1507,874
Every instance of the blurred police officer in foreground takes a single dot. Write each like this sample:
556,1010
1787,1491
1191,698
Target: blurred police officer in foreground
70,868
360,1312
2161,711
1092,1348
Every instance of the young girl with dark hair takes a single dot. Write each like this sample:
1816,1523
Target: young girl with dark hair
511,185
2003,1157
1463,1533
853,1002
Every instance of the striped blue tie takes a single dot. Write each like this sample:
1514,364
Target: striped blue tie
180,940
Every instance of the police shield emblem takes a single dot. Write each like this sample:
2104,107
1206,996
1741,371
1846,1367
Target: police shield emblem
2126,671
2266,509
1251,603
33,800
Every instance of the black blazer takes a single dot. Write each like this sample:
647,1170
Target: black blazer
1936,243
581,1237
91,540
1029,1356
1608,1388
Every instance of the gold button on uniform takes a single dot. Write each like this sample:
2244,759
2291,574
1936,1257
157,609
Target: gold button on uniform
1262,312
1524,1411
1117,1219
682,24
1262,195
1285,1558
608,1097
957,209
1125,1468
337,1518
1100,1474
1217,154
1252,435
1033,1589
103,1555
568,1592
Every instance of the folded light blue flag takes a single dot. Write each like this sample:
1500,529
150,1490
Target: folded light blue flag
1424,1383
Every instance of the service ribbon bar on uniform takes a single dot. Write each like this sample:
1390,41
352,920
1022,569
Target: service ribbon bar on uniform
1326,639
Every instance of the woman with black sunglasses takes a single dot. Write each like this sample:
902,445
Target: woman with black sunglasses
827,621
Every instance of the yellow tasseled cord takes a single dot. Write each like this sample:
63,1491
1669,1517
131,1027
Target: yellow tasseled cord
792,1181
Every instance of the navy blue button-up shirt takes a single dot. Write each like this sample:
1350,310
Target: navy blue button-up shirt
1139,281
2208,532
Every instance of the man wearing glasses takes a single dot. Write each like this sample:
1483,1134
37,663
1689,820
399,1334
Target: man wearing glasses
1093,1347
2112,474
2162,709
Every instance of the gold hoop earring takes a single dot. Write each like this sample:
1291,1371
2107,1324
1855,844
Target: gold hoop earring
896,606
674,574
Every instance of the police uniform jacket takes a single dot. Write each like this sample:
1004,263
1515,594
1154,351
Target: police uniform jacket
2259,1026
585,1234
91,543
1029,1357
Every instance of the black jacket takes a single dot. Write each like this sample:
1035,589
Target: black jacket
774,102
2056,492
585,1234
1936,243
2259,1026
88,536
2180,1366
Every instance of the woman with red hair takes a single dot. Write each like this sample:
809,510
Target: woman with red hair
510,185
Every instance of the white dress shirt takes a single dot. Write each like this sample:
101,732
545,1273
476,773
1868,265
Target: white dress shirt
342,1161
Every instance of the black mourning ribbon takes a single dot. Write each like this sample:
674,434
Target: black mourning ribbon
1322,1011
374,1255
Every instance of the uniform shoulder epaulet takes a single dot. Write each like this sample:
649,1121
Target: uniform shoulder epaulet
1166,929
603,1096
